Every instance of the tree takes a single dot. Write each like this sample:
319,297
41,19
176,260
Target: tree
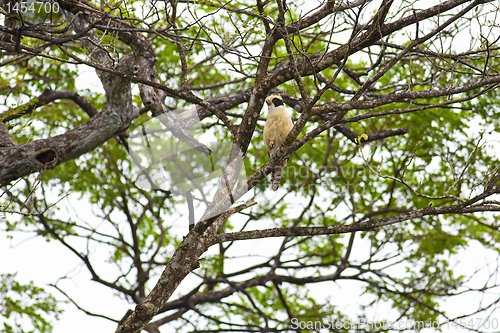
394,106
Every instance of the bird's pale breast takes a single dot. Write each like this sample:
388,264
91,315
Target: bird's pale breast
277,127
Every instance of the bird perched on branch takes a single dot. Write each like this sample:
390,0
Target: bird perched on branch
278,125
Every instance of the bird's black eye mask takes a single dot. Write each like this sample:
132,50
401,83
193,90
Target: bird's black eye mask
277,102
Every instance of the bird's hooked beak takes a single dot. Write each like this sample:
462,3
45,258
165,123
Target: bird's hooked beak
268,102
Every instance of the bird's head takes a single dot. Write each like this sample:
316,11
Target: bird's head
274,101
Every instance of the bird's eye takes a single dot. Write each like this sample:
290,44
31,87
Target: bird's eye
277,101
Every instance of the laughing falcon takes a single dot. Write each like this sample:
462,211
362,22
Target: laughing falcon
278,125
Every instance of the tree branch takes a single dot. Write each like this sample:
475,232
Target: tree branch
360,226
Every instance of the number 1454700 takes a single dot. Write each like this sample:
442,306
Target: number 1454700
24,7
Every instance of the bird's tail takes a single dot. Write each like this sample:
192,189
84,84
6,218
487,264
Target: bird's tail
276,176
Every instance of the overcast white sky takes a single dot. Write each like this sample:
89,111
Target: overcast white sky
44,262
